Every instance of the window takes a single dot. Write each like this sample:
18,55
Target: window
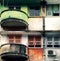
49,38
14,7
55,9
49,41
34,11
53,41
14,39
56,38
52,10
34,41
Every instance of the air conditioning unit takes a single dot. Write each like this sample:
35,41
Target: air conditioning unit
51,53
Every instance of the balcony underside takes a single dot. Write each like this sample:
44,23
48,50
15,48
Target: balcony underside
21,2
14,56
14,24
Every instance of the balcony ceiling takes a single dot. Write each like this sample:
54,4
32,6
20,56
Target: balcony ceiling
53,1
21,2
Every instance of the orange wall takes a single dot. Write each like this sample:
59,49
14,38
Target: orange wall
35,54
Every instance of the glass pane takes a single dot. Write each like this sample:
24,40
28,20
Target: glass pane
38,38
37,12
17,37
49,38
57,43
55,8
56,38
31,43
49,43
11,37
38,43
31,38
34,11
49,10
17,41
11,41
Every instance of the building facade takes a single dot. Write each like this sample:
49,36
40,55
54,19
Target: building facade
29,30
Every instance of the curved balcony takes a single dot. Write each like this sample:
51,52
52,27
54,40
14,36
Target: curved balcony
12,19
14,51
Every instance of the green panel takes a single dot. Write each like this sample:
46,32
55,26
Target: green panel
49,10
14,14
2,8
41,11
23,2
55,8
25,9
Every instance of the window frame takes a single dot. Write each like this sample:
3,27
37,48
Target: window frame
53,42
14,39
34,45
35,10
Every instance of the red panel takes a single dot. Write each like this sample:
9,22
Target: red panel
35,54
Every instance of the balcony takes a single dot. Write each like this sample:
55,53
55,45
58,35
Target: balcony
12,19
14,51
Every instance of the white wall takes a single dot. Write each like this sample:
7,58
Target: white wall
53,1
4,39
1,29
52,23
25,40
57,51
35,24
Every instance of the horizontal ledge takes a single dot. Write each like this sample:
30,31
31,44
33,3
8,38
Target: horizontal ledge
20,32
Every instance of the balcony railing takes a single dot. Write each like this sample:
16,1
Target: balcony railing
14,51
13,18
14,14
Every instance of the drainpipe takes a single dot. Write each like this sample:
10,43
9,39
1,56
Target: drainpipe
44,55
43,7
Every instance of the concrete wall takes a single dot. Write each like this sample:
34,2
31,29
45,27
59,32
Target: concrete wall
35,24
52,23
4,39
25,40
56,51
